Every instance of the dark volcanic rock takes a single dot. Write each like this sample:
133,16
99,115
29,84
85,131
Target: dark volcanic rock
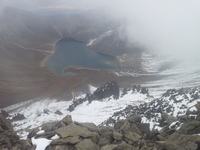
46,111
58,112
18,117
109,89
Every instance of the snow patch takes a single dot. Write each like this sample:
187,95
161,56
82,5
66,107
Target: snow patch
41,143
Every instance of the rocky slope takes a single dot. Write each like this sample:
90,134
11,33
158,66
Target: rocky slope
9,140
175,105
129,134
170,122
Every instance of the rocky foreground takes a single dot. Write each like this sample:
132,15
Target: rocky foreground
171,122
129,134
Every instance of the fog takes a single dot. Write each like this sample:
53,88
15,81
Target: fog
162,25
167,26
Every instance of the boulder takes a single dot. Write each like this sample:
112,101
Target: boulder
49,127
67,120
127,127
90,126
74,130
117,136
119,124
106,136
86,144
144,128
109,147
135,118
68,140
167,120
192,110
18,117
47,135
178,141
144,91
60,147
33,133
132,138
192,127
124,146
58,112
4,113
184,118
27,145
46,111
164,145
8,138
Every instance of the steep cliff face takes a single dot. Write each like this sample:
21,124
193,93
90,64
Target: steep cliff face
27,39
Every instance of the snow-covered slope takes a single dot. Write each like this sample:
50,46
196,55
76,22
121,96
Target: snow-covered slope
174,103
105,106
96,111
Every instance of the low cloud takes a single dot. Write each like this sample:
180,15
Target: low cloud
169,26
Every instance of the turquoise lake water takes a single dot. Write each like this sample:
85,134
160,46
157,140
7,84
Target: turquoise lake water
72,53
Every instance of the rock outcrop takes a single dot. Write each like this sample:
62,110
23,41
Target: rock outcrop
8,138
129,134
167,123
109,89
175,105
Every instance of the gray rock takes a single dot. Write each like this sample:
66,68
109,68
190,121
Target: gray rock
135,118
58,112
8,138
127,127
109,147
86,144
124,146
46,111
192,127
73,130
4,113
68,140
33,133
162,145
90,126
167,119
117,136
26,144
144,128
49,126
184,118
47,135
60,147
105,136
191,146
67,120
18,117
119,124
132,138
